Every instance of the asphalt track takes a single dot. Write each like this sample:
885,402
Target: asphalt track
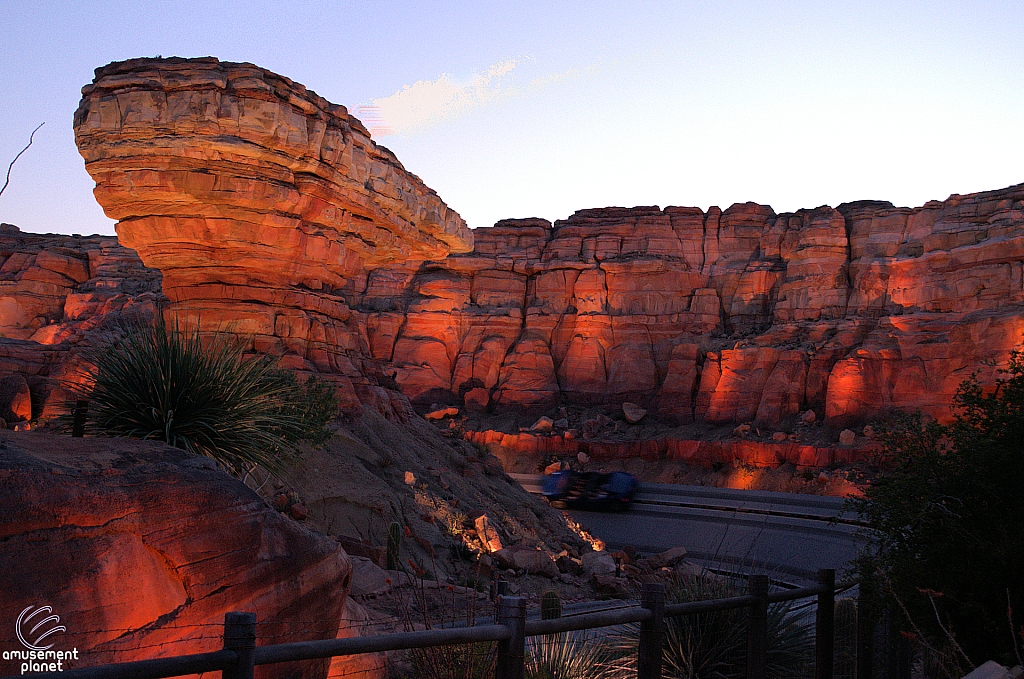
786,535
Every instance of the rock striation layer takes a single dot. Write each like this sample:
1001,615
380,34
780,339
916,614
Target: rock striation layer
720,316
257,199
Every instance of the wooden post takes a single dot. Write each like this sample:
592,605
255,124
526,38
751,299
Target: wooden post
865,632
905,657
512,651
240,637
825,626
757,627
652,632
79,414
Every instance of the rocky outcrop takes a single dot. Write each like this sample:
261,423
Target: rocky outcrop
270,212
258,201
141,549
58,291
734,316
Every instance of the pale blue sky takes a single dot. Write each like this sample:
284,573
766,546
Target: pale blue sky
544,108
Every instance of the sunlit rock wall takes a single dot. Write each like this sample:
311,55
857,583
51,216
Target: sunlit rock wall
741,315
257,199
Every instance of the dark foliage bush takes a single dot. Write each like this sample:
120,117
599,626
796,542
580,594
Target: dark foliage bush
206,396
713,645
948,516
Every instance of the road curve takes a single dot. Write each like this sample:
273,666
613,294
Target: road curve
786,535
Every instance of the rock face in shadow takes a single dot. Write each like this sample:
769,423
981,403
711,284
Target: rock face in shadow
141,549
735,316
258,200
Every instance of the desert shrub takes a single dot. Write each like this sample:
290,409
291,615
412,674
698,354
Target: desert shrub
204,396
713,645
946,515
571,655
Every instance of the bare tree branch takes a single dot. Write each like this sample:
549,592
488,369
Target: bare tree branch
11,166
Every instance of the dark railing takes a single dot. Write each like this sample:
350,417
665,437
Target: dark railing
240,655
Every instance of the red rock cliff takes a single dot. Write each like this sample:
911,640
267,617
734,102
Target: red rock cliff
257,199
270,212
727,316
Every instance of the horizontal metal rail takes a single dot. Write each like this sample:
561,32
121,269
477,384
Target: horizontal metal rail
311,650
651,613
691,607
621,616
150,669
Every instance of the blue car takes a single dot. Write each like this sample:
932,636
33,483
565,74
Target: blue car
590,490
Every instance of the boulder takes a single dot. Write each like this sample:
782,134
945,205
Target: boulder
847,437
543,425
487,534
15,399
504,558
667,559
535,562
609,585
633,413
116,520
599,563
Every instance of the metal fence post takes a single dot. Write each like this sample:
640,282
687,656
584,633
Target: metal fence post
79,414
512,651
904,657
865,632
757,627
825,626
652,632
240,637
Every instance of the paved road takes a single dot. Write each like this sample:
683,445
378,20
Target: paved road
786,535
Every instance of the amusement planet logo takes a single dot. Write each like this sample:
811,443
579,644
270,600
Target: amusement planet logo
34,628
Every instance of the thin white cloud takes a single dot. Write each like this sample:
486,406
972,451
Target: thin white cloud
429,102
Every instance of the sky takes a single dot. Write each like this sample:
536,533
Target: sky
539,109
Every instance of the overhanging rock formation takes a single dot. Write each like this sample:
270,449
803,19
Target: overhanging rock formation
257,199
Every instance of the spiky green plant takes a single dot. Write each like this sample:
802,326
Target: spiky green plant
713,645
550,605
204,395
394,546
571,655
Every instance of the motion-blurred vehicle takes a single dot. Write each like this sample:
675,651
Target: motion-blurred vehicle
590,490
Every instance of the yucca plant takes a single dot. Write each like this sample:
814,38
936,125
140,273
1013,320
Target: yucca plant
203,395
713,645
570,655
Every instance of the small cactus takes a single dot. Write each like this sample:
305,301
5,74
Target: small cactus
394,545
550,605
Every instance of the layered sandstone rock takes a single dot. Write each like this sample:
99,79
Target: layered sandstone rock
733,316
270,212
141,549
258,201
58,292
